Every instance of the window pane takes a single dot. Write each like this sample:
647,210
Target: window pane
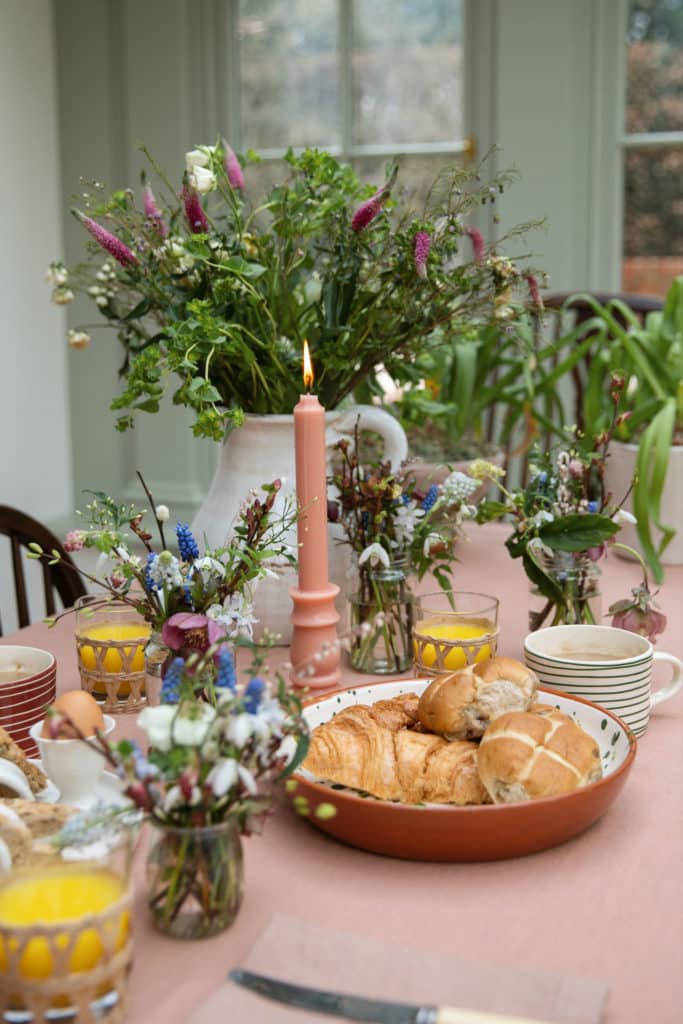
654,98
288,73
415,175
407,71
653,220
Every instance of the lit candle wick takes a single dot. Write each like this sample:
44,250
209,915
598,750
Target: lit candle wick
308,368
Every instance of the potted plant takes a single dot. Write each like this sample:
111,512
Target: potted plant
643,364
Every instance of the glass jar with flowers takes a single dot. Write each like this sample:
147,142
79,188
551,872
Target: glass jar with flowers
563,521
395,531
206,781
191,599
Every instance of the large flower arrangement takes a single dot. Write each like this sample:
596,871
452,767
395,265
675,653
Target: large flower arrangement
216,291
193,598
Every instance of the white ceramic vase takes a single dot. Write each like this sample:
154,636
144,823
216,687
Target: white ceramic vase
262,450
621,467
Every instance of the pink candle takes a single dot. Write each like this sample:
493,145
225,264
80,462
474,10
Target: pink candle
315,648
311,489
311,485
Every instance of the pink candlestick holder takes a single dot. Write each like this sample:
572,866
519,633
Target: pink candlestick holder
315,650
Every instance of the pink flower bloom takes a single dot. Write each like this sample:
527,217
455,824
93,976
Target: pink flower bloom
196,217
596,553
576,468
114,246
368,210
647,623
74,540
152,211
423,244
190,630
478,244
233,168
534,293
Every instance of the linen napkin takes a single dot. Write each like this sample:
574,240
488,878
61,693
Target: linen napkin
308,954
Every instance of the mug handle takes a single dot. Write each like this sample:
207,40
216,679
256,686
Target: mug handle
370,417
676,679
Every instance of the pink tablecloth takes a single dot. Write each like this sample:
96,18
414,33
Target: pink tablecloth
607,905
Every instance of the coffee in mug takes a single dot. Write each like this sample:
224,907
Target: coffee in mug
607,666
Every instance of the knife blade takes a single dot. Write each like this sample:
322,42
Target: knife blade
367,1011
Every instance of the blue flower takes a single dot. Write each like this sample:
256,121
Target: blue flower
170,687
593,506
542,478
187,545
253,694
430,497
149,582
405,498
226,677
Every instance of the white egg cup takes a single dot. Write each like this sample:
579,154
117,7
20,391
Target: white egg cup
75,766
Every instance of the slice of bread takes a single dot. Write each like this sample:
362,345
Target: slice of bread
37,779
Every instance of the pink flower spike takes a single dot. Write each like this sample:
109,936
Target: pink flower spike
233,168
478,244
423,244
534,293
368,210
114,246
152,211
196,217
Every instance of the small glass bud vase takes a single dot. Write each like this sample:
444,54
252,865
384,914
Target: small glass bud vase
576,577
382,618
195,878
156,656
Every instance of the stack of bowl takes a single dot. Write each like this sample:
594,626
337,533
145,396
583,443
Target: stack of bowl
28,678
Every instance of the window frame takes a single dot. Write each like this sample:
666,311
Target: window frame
227,77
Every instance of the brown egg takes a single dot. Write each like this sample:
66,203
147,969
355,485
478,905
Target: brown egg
82,709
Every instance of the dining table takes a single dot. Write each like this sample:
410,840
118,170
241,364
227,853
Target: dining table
606,905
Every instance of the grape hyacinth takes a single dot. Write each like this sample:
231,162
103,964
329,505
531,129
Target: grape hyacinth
170,687
430,497
253,694
114,246
187,545
149,580
226,677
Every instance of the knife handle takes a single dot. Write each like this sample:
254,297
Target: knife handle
452,1015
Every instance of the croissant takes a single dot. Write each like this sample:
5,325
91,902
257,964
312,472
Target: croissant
370,749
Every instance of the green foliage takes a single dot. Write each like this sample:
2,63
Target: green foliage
224,314
641,367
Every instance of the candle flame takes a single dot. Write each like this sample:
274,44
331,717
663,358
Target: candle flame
308,368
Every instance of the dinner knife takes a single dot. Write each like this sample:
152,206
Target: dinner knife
369,1011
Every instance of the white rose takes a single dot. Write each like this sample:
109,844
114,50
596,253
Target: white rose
157,721
197,158
191,732
202,179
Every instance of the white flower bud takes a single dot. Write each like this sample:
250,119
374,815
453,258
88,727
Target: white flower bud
78,339
162,513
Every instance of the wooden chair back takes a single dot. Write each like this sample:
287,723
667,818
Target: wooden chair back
62,578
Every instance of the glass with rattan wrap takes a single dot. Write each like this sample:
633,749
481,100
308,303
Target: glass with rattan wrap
65,938
110,640
453,629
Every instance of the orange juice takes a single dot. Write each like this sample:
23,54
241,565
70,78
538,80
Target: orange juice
457,656
57,896
102,632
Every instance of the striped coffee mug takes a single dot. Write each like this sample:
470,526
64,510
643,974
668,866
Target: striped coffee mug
608,666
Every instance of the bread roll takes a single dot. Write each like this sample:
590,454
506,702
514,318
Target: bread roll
356,749
461,705
525,755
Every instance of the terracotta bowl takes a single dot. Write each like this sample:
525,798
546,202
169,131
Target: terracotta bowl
441,832
23,700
